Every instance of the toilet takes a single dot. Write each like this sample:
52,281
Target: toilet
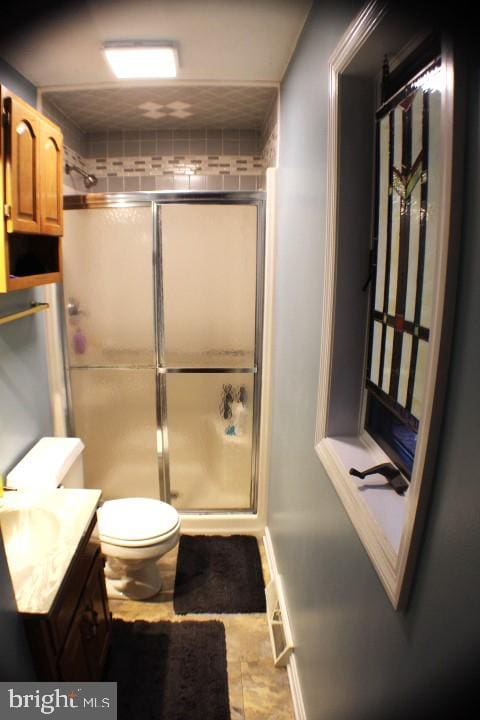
133,532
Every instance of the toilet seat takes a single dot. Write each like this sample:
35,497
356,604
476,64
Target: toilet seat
137,522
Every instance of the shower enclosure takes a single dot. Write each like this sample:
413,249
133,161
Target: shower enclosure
163,314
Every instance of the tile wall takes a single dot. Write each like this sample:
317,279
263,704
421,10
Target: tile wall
179,159
269,137
208,159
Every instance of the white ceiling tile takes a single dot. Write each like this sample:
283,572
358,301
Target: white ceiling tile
150,106
177,105
117,108
180,114
154,114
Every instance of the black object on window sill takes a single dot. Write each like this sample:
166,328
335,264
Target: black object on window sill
389,472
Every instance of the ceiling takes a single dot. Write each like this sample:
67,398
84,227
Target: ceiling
218,40
222,44
152,108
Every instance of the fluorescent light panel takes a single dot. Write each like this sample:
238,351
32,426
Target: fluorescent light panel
141,60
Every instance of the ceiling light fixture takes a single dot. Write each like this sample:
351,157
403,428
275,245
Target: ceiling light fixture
142,59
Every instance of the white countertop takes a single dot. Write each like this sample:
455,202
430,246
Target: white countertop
41,533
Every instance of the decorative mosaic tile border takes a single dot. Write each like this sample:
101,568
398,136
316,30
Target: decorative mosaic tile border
175,165
177,172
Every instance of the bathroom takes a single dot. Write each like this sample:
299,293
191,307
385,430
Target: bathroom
339,612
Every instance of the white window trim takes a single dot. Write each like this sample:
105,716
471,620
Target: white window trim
394,567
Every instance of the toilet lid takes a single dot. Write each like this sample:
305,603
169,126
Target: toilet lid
136,519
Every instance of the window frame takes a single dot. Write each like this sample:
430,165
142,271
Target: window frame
390,531
394,89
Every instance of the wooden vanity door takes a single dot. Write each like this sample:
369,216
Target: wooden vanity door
96,620
51,180
85,651
22,177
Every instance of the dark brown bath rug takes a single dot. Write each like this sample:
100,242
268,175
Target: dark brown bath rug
169,670
218,574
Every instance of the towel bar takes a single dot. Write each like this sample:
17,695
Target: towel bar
34,308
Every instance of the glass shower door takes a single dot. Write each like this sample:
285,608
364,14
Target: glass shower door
109,299
207,354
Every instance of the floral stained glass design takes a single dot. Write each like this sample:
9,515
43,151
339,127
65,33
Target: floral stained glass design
408,185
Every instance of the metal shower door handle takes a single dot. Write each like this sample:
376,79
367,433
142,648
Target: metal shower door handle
73,307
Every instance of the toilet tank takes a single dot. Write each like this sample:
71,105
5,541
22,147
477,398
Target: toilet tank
50,463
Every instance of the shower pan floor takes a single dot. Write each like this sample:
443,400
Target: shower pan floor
194,492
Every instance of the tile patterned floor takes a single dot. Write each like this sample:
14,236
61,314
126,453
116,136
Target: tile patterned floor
258,690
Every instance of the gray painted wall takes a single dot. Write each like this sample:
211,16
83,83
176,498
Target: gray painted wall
24,399
359,659
17,83
24,417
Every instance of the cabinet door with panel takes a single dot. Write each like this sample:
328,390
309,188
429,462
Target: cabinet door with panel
51,178
73,662
96,620
86,647
71,642
31,191
34,171
22,175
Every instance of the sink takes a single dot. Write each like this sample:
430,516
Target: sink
41,531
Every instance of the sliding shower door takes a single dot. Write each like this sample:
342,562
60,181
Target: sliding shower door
209,317
110,334
163,308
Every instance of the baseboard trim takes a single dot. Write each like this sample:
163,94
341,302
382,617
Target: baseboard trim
272,563
292,666
295,688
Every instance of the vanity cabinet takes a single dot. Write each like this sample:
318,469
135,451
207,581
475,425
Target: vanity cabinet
71,642
32,193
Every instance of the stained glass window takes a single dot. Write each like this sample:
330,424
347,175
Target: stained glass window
407,192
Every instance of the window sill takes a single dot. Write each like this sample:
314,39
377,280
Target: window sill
377,512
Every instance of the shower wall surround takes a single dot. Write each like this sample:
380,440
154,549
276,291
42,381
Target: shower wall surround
208,159
269,138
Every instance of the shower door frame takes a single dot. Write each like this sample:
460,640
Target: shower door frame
155,200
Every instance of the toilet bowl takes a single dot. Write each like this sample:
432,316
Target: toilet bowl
133,532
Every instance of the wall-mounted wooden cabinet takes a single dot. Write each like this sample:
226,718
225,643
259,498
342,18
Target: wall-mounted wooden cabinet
31,190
